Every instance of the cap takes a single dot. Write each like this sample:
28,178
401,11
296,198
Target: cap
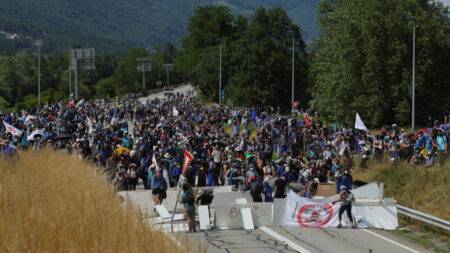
343,187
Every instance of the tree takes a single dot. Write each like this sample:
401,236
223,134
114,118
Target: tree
362,60
262,60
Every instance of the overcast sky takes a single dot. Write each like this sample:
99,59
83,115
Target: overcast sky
447,2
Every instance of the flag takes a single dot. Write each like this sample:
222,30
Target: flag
89,125
248,155
80,103
154,160
359,124
307,122
175,112
11,129
187,161
34,133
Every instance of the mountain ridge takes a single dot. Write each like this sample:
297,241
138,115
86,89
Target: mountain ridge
116,24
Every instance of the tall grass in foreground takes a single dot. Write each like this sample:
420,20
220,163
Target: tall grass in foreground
426,189
50,202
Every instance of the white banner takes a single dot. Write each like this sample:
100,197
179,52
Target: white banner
12,130
33,134
319,213
304,212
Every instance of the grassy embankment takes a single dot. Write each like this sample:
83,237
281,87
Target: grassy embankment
421,188
50,202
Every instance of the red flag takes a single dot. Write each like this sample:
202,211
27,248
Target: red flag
307,122
187,161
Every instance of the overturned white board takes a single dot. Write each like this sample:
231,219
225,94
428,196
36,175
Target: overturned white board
381,216
229,215
221,198
203,214
247,219
162,211
241,201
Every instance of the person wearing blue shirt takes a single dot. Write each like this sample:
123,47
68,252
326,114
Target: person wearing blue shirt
345,180
267,190
159,187
441,140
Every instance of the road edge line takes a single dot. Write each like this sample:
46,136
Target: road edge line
391,241
281,238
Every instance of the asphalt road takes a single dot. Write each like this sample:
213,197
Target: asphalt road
181,89
274,238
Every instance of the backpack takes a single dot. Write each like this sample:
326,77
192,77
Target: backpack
189,197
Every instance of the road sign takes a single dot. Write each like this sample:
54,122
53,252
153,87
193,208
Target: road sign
295,104
82,59
144,64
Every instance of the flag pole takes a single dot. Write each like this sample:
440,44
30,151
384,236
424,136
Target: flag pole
187,161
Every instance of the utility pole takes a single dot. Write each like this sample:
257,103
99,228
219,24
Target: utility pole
413,102
293,73
220,73
413,109
169,67
70,76
39,44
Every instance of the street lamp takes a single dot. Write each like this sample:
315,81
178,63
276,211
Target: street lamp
38,43
413,106
144,65
169,67
220,72
293,73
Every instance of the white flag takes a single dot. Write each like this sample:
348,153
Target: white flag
11,129
175,111
359,124
90,125
34,133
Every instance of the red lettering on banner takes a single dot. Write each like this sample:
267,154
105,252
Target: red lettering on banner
316,215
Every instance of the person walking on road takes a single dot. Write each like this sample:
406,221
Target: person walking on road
188,200
346,198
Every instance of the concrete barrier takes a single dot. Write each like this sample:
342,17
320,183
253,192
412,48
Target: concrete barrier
229,215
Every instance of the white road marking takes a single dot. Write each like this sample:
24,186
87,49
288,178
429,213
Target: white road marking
391,241
285,240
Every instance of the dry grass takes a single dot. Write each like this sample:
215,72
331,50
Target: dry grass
50,202
421,188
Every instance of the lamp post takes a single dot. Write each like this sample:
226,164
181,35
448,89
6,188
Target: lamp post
39,44
169,67
220,73
413,102
293,73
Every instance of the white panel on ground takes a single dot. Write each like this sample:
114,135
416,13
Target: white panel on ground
242,201
247,218
162,211
203,214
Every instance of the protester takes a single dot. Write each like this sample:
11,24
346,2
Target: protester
117,133
256,189
346,198
188,200
159,188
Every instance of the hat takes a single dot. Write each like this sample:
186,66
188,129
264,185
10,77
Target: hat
343,187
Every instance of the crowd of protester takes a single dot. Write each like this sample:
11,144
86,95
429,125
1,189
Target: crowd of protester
249,149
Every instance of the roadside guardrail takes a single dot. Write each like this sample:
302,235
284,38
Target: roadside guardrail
429,219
